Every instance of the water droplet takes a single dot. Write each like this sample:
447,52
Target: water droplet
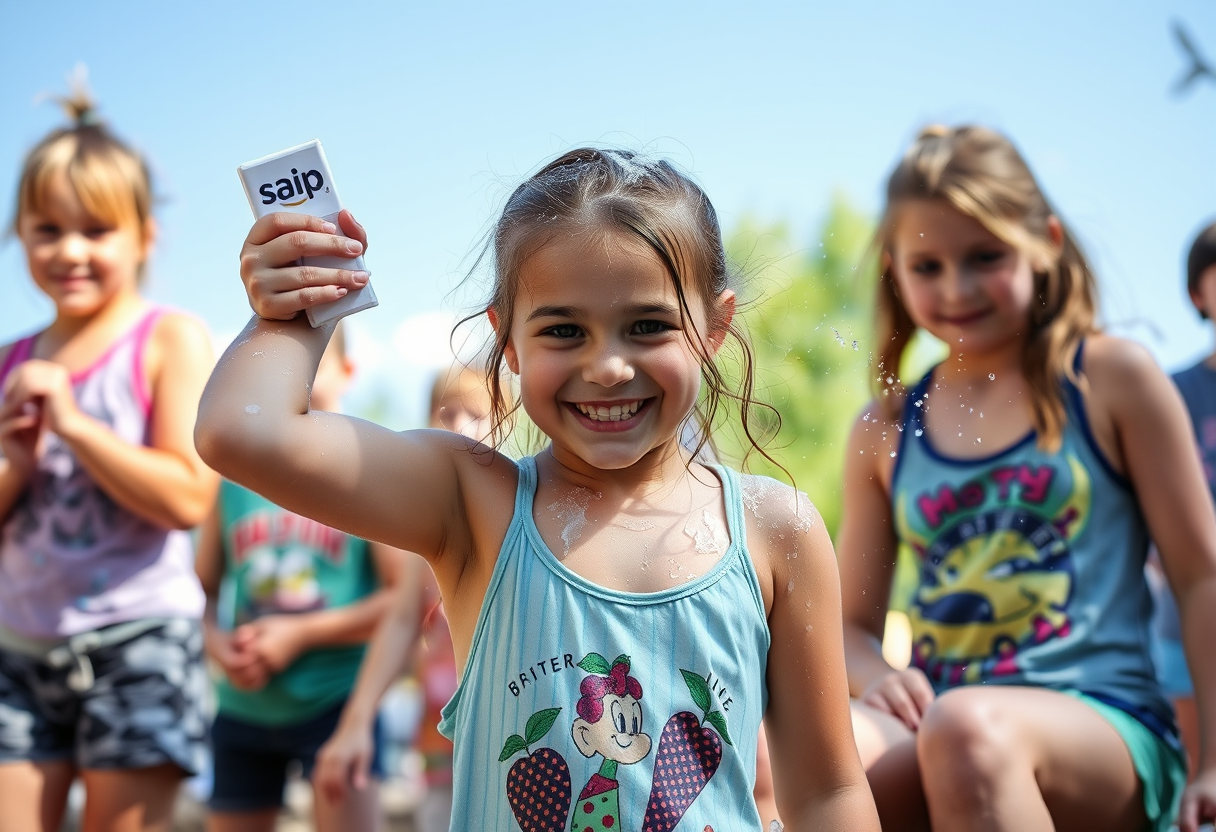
252,409
855,347
789,587
809,628
920,432
992,376
892,454
978,440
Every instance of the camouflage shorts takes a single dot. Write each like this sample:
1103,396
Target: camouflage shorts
133,703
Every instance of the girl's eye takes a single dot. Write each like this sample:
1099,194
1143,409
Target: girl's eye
927,268
46,229
988,258
97,232
650,327
563,331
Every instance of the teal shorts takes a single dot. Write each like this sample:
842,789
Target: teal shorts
1160,767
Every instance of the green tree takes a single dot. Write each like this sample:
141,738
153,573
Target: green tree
809,313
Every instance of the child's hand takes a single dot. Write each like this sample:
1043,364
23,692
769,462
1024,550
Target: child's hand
275,639
43,388
244,668
21,435
345,758
905,694
277,286
1198,802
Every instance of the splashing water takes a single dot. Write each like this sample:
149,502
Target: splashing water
992,376
920,432
572,510
252,409
708,534
839,338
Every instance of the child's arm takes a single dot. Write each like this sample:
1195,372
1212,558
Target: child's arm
867,558
165,482
1153,432
280,639
819,779
346,757
423,491
20,433
242,667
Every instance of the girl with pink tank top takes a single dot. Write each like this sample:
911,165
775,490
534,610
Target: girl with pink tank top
101,672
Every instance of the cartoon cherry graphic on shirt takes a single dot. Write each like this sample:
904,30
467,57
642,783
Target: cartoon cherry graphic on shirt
688,756
538,786
609,724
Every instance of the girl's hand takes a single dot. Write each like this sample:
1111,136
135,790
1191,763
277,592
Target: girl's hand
905,694
21,432
278,287
47,387
345,758
275,639
244,669
1198,802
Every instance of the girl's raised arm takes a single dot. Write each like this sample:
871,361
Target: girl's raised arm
424,491
819,779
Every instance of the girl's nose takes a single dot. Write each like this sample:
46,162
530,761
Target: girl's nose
74,248
608,368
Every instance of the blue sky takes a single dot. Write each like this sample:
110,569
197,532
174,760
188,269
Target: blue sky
431,113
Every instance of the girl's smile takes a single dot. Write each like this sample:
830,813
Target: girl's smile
80,261
958,280
602,347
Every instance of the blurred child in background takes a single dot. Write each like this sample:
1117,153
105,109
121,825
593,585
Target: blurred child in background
100,642
1198,387
1026,472
290,603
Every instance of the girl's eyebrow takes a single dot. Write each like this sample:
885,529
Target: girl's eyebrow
574,312
553,312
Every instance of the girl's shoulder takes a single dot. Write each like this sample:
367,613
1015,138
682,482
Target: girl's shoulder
1108,361
176,339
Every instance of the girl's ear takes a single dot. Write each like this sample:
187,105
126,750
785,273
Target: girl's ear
1055,231
508,350
722,320
150,232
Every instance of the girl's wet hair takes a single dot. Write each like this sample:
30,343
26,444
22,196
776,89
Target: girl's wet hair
981,174
623,192
110,178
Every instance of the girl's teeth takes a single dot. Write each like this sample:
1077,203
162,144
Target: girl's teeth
616,413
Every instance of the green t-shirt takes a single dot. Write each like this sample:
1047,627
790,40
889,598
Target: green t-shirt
277,562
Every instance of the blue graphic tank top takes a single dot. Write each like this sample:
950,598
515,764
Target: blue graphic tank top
585,708
1031,566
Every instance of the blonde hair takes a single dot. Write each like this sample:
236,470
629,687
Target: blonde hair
981,174
111,179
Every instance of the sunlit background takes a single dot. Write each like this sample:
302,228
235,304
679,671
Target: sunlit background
790,115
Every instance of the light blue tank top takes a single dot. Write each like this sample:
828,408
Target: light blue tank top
586,708
1031,566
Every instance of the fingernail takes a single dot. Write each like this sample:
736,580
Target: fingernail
329,228
361,278
354,246
341,291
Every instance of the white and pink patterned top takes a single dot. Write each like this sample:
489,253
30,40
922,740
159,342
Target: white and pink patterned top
73,560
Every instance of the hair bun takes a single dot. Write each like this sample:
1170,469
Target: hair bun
78,103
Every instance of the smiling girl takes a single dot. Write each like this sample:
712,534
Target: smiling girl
100,641
718,594
1026,473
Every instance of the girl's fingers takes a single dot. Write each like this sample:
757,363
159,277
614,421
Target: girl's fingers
352,228
902,706
290,247
919,689
359,769
286,305
273,226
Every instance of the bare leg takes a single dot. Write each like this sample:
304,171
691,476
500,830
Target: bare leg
257,820
359,811
887,749
1014,758
1188,727
763,794
132,800
34,795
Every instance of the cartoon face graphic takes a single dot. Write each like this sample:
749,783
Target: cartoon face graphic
979,589
617,734
610,717
996,570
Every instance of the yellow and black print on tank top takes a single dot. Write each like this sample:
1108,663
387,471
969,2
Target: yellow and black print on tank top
996,566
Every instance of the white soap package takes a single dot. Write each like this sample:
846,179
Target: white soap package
298,180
